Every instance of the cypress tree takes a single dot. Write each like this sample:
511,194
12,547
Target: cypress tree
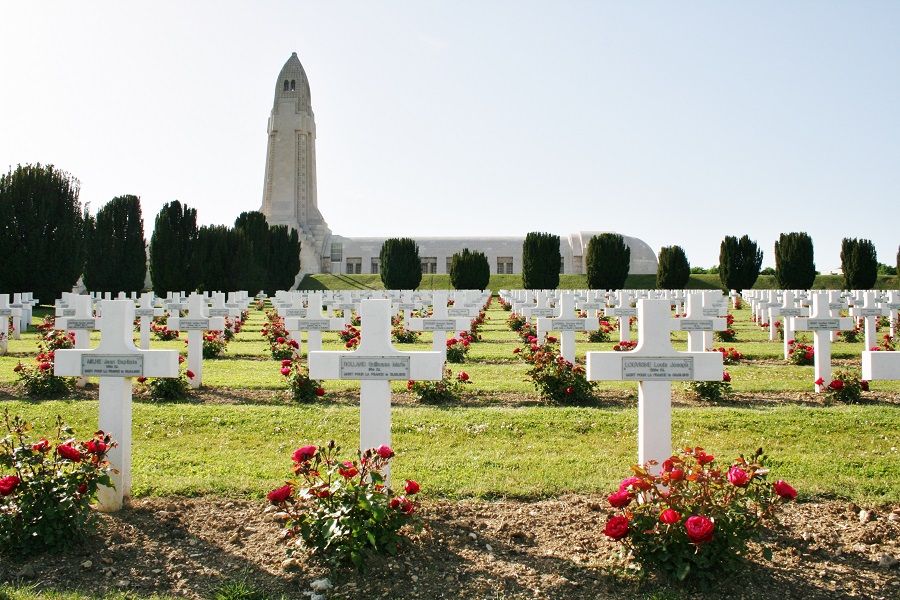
116,258
540,261
794,264
469,270
172,247
401,268
673,270
42,231
859,262
284,258
739,263
608,260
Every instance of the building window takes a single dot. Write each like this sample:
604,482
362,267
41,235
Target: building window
449,263
354,266
337,252
562,265
285,85
505,265
293,85
429,265
376,266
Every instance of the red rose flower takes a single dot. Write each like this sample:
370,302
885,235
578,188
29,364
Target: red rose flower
189,373
280,340
676,475
44,366
180,359
96,447
280,495
738,477
784,490
669,516
620,499
836,385
616,528
569,390
384,452
726,377
320,392
285,371
411,487
864,385
286,362
348,470
141,379
82,489
304,454
635,482
42,445
704,458
463,376
517,350
69,452
17,368
699,529
819,381
668,465
8,484
409,385
809,356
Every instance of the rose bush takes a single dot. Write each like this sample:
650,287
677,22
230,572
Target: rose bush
690,520
343,510
447,389
709,391
296,374
844,387
47,486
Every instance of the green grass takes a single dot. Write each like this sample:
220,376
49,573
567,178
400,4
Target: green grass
488,446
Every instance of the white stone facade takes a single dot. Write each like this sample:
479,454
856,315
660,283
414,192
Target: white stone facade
289,197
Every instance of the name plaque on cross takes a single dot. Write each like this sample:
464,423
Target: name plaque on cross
623,312
696,325
81,323
458,312
144,312
869,312
591,305
710,312
657,369
790,312
295,312
543,312
5,312
317,324
569,325
837,305
407,306
232,305
175,306
375,367
112,365
218,312
348,306
823,324
193,324
68,312
438,324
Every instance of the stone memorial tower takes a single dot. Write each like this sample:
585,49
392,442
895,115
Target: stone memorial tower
289,193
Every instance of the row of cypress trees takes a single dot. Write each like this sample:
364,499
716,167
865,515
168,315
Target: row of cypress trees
49,240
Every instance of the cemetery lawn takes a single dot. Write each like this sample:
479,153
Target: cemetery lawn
513,491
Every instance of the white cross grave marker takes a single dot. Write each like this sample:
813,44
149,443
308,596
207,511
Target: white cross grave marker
145,312
375,363
697,321
870,311
116,361
439,323
567,324
195,324
313,322
654,364
623,312
5,313
82,323
821,323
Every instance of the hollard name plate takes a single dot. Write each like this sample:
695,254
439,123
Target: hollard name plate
696,325
438,324
375,367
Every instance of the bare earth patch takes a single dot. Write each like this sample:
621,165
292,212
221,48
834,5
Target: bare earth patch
469,549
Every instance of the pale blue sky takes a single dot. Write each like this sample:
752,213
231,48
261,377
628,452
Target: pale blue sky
675,122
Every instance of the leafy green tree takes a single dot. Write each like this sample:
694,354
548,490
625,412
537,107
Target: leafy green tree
401,268
608,260
469,270
116,258
42,230
540,261
172,248
794,264
739,262
859,262
673,270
